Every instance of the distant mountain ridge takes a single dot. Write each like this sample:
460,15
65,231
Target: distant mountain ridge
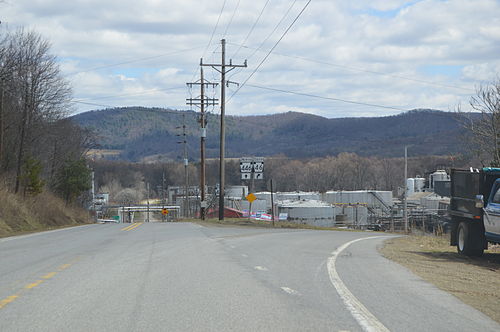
143,132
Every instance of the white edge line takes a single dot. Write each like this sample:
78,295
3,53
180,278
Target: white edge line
260,268
361,314
290,291
20,237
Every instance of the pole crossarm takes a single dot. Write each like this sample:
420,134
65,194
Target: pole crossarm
224,69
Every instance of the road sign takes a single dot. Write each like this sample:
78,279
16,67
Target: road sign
164,212
246,165
252,165
246,176
258,164
251,197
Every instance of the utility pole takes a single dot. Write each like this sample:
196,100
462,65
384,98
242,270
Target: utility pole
147,216
186,163
202,102
405,205
163,195
224,69
272,201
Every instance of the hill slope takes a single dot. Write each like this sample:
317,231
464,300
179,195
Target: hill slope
142,132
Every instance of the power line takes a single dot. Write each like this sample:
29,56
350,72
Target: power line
325,98
251,29
132,61
359,69
274,29
132,94
271,50
231,20
215,28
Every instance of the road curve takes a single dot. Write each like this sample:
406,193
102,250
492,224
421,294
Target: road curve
186,277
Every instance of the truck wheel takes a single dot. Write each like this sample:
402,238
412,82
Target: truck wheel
469,240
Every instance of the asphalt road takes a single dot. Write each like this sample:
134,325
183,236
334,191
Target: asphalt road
186,277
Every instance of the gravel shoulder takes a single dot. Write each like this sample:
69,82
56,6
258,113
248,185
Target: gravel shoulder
475,281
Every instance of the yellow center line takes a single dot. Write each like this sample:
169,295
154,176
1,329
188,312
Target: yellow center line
131,227
49,275
63,267
33,285
8,300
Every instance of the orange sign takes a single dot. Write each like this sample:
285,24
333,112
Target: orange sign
251,197
164,212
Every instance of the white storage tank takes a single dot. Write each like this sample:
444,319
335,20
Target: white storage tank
353,215
297,195
439,175
410,186
419,184
266,196
310,212
236,191
372,198
259,205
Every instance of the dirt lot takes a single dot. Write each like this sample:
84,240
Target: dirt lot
475,281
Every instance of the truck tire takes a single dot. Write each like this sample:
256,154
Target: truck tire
469,239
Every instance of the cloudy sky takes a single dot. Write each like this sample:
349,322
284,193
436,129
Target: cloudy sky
340,58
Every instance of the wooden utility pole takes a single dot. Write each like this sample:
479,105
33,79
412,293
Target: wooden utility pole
186,163
272,201
224,69
405,204
202,102
163,195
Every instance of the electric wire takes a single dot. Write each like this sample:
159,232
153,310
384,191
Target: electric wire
274,29
251,29
361,69
325,98
231,20
131,94
271,50
132,61
215,28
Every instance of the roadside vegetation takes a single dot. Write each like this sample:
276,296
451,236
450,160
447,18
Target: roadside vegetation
43,173
475,281
42,212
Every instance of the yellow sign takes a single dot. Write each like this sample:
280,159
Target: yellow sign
164,212
251,197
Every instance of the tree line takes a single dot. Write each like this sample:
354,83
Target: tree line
126,181
39,146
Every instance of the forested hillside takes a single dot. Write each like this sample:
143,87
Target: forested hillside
142,132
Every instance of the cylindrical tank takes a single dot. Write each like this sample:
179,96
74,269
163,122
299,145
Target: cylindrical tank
439,175
309,212
236,191
410,186
419,185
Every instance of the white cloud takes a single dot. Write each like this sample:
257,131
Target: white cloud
362,49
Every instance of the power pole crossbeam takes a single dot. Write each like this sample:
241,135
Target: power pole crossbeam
202,102
224,69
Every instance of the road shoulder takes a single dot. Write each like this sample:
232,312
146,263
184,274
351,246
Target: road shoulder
475,281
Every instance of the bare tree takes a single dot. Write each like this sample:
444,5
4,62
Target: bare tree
484,128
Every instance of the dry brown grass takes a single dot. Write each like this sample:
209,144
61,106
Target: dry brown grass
20,215
475,281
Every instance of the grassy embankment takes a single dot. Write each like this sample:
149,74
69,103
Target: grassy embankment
44,212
